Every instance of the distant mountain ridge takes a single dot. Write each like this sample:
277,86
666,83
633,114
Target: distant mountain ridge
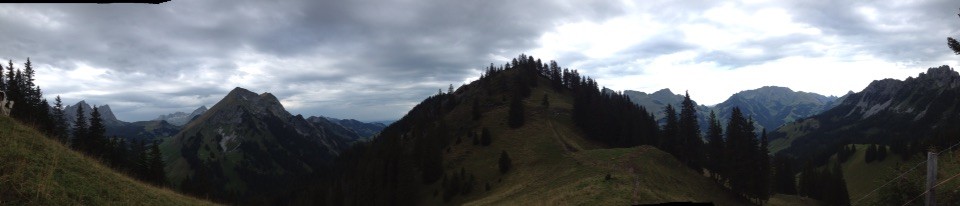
769,106
364,129
182,118
923,110
772,106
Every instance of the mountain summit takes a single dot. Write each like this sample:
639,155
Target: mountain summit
110,120
772,106
249,144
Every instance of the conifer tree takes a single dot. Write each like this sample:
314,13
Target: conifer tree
60,121
784,180
96,138
3,81
157,174
668,141
715,147
741,150
763,181
140,160
691,144
80,131
505,162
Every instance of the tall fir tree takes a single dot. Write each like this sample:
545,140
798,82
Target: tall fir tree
764,174
96,139
3,81
140,160
741,153
691,144
715,151
60,121
505,163
668,141
80,132
157,174
784,180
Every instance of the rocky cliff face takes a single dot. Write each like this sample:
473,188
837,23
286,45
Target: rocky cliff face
889,111
109,119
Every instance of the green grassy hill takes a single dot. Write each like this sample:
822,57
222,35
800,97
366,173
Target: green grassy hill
864,177
35,170
553,163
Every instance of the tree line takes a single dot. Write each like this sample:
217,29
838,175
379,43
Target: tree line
87,135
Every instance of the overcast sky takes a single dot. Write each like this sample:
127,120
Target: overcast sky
374,60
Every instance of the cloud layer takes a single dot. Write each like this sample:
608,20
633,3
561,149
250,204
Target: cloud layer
373,60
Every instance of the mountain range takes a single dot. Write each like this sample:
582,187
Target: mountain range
769,106
923,110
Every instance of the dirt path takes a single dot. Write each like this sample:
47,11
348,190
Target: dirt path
560,138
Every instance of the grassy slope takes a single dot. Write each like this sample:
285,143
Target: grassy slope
863,177
35,170
554,164
792,130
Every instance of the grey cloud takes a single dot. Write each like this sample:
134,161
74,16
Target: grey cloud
393,53
926,26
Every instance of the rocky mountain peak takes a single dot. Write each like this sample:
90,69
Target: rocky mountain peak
200,110
663,92
106,114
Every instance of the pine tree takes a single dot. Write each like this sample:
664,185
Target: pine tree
763,191
3,81
120,152
668,141
140,161
96,138
80,131
505,162
157,174
60,121
741,150
784,180
691,143
715,147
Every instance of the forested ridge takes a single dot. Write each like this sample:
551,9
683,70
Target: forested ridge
407,156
